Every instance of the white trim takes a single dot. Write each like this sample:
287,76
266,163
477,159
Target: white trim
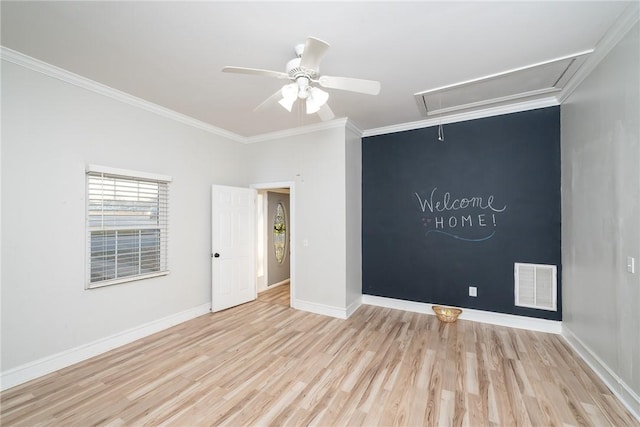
350,125
47,69
316,127
504,73
97,285
572,62
326,310
85,83
618,387
351,308
271,185
46,365
275,285
67,76
626,21
503,100
612,37
501,319
128,173
465,116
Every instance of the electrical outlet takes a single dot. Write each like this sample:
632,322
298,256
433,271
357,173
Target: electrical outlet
631,264
473,291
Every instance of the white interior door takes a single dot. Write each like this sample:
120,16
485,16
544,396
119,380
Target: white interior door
233,279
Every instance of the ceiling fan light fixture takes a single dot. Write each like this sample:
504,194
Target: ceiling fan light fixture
287,104
303,71
316,99
289,95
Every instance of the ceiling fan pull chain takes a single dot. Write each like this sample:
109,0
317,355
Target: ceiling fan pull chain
440,133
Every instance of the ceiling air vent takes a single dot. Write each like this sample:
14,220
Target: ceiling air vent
526,83
535,286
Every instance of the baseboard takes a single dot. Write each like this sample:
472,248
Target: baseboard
49,364
326,310
623,392
266,287
351,308
282,282
501,319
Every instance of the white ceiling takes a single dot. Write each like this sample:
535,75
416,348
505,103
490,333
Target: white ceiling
171,53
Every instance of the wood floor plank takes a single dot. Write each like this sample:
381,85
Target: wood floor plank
276,295
264,363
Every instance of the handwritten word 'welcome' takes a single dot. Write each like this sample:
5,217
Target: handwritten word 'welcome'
449,204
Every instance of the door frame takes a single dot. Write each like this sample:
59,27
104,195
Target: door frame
292,229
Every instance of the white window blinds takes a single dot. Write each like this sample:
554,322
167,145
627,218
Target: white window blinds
127,220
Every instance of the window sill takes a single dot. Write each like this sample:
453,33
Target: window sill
125,280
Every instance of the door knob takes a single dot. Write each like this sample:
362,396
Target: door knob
216,255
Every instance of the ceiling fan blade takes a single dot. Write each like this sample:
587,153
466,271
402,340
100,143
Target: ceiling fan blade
370,87
325,113
314,51
273,99
255,72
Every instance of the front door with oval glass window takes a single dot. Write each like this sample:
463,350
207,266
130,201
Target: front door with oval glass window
280,233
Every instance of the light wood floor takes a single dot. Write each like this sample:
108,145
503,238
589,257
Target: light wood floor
266,364
278,295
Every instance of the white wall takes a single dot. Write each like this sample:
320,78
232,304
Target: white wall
601,216
50,131
316,163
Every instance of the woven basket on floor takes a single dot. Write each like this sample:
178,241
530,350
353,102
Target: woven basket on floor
447,314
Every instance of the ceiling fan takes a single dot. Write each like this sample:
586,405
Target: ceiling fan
303,72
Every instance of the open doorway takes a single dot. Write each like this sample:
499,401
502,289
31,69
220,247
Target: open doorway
275,251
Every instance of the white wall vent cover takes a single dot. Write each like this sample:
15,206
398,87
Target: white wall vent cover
535,81
535,286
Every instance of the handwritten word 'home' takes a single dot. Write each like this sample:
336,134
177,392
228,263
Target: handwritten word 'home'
464,221
449,204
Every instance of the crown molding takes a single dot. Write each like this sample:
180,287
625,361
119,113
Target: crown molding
465,116
45,68
351,126
315,127
42,67
624,23
612,37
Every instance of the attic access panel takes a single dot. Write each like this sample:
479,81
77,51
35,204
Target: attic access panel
534,81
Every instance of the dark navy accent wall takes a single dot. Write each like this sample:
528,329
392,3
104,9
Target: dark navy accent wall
438,217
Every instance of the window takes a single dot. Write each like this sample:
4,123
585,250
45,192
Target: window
127,215
279,233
